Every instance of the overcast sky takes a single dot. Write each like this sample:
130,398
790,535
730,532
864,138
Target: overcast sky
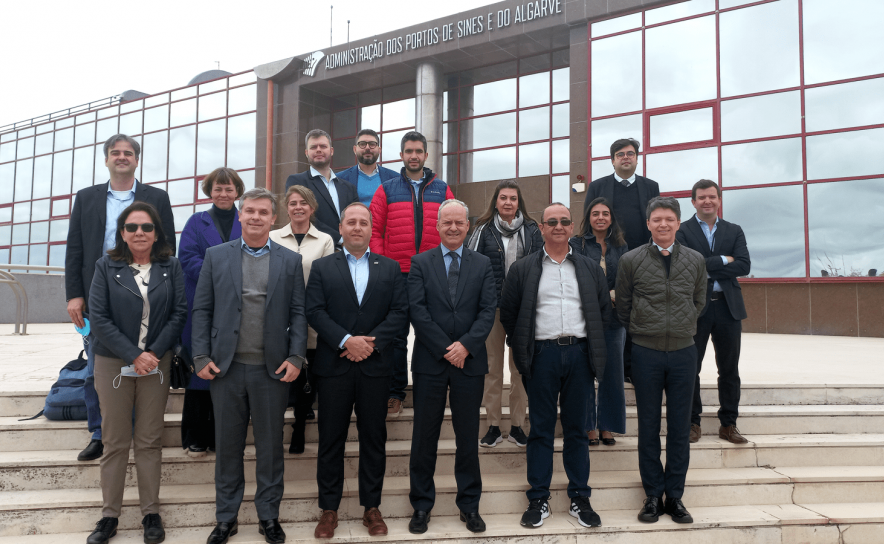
57,53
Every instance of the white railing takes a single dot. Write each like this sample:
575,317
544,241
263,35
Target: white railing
21,295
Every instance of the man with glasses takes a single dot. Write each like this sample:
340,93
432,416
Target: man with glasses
367,175
555,308
91,233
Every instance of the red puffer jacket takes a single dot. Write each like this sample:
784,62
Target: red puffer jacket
394,210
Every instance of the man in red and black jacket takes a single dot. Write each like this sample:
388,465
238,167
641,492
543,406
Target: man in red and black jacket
404,215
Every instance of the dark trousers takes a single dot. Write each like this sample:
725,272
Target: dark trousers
465,400
726,335
248,391
627,358
302,395
399,381
560,376
198,419
338,397
93,407
654,372
610,413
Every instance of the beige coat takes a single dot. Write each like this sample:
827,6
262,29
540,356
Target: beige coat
316,245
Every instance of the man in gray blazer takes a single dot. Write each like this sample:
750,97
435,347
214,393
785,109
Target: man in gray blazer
249,339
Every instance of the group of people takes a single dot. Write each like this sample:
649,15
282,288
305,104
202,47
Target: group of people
322,308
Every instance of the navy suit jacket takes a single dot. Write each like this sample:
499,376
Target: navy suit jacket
334,312
217,307
647,190
438,323
729,240
327,219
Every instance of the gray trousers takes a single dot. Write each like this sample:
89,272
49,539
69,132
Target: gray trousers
245,392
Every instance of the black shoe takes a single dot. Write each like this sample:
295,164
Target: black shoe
651,510
297,445
196,451
517,437
677,511
153,529
93,451
310,415
272,531
538,510
418,523
610,441
474,522
222,532
582,510
105,529
492,438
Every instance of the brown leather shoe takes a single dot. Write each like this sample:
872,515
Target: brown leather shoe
373,519
394,407
695,433
731,434
327,525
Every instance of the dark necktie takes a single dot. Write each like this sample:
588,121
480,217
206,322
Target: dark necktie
625,183
453,273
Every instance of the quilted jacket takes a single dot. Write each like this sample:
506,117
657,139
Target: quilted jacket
486,239
396,208
518,309
661,312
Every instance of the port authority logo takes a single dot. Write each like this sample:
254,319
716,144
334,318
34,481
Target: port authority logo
311,62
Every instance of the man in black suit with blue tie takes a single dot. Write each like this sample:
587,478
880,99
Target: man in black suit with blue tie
452,300
332,193
723,246
356,302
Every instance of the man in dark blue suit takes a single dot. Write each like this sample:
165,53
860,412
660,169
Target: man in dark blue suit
332,194
452,300
367,175
723,246
356,302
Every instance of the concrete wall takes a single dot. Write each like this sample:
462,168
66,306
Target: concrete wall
46,300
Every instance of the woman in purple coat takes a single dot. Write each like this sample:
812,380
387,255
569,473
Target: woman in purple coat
217,225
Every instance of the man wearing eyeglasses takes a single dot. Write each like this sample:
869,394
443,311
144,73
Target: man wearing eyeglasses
367,175
555,308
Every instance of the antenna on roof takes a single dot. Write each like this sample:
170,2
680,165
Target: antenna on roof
218,64
348,31
331,20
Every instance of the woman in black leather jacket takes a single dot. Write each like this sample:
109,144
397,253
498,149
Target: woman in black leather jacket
602,241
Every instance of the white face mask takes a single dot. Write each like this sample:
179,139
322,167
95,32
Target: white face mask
129,372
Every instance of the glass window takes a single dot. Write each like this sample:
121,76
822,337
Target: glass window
182,148
7,152
759,48
44,128
534,124
370,117
156,118
83,166
606,131
183,113
7,136
604,167
241,79
678,11
153,157
211,86
838,40
561,123
681,127
64,139
724,4
399,114
85,134
56,254
561,89
61,207
25,148
85,118
131,106
18,255
38,255
64,123
686,208
21,233
101,171
344,123
534,160
835,155
21,212
42,176
106,129
617,74
212,106
155,100
761,116
391,144
24,171
772,219
131,123
241,142
186,92
395,166
488,98
242,99
847,105
561,156
561,190
759,163
5,216
488,165
534,90
834,245
210,146
490,131
113,111
181,192
61,173
248,179
5,237
7,179
43,144
618,24
679,170
180,215
679,63
40,234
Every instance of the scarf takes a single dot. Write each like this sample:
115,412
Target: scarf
515,249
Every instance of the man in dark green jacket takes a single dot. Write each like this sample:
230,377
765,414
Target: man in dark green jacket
661,290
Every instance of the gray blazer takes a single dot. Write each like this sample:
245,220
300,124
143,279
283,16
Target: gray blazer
217,307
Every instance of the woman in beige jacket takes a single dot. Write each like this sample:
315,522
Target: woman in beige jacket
302,237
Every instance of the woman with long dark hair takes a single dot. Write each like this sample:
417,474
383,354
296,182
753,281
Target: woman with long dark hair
601,239
504,234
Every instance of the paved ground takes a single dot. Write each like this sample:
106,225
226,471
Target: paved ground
31,362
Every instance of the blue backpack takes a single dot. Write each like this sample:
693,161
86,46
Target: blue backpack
67,398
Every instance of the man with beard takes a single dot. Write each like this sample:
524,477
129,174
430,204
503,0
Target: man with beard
332,194
367,175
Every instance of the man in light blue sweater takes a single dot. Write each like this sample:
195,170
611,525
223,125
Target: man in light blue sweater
367,175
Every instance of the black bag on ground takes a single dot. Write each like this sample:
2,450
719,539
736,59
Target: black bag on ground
181,368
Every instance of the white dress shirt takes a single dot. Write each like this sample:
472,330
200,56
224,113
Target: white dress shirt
559,308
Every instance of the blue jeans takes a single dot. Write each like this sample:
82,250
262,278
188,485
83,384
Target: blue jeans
558,373
399,381
93,410
611,412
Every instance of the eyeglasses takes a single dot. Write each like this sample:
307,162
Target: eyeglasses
555,222
132,227
630,154
370,145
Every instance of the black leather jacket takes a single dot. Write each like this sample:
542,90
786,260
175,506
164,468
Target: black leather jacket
490,244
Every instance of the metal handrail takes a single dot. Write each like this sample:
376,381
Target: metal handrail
35,267
21,295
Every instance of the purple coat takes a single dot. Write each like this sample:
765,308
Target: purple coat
199,234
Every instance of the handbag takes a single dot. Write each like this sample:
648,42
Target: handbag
181,368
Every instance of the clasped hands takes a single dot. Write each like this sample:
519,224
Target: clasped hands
145,363
209,371
358,348
457,354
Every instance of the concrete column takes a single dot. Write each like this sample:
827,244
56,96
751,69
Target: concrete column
428,111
